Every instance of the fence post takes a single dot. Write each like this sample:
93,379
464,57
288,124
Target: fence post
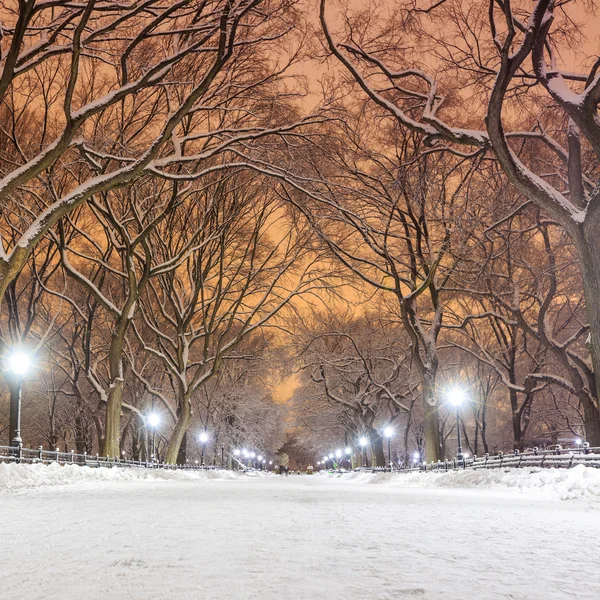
72,456
41,453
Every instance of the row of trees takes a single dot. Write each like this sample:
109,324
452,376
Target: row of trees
166,202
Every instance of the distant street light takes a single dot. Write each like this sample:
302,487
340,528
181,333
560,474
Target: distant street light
203,438
389,432
153,421
18,364
456,397
348,452
363,443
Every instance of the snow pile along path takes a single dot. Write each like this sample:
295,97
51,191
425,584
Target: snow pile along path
14,476
563,484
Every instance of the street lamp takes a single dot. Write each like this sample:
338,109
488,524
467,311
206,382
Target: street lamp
416,457
363,443
153,421
348,452
18,364
389,432
203,438
456,397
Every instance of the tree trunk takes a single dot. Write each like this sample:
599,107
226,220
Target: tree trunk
516,420
181,427
433,449
112,431
182,454
377,453
591,422
588,247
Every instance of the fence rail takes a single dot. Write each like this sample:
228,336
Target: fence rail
563,458
10,454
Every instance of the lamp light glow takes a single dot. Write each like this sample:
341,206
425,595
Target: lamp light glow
153,420
203,437
19,363
388,432
363,441
456,396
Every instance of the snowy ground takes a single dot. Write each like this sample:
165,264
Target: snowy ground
119,535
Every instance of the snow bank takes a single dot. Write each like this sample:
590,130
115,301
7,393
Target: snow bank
564,484
14,476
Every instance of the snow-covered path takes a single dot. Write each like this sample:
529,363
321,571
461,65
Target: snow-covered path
294,538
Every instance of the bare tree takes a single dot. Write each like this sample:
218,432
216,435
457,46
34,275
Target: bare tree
502,58
234,283
144,64
358,378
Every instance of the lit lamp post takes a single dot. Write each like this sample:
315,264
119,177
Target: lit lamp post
416,458
363,444
456,397
153,421
389,432
203,438
338,455
253,456
349,457
17,365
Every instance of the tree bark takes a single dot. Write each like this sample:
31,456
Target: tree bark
182,454
433,449
112,431
181,427
588,248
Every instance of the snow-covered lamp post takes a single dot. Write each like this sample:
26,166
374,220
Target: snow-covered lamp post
18,364
153,421
389,432
456,397
202,438
363,444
